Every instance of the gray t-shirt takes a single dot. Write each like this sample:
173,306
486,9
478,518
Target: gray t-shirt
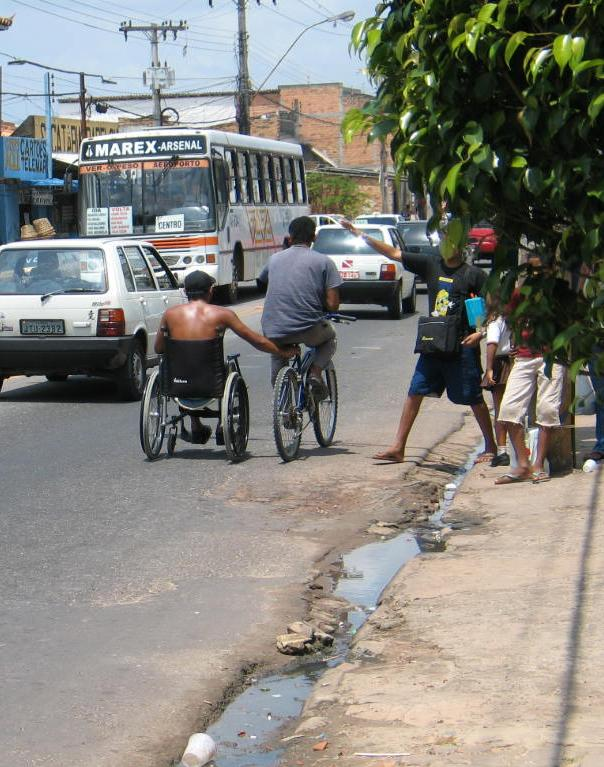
298,279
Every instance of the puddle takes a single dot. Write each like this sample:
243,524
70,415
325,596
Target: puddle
246,730
368,570
247,733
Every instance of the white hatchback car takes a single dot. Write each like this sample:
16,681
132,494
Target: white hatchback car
90,306
369,277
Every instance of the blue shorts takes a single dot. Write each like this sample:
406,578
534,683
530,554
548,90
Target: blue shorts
459,375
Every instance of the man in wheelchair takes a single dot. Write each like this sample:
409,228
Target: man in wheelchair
199,320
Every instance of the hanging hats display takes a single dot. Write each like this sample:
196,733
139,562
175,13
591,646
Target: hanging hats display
44,228
28,232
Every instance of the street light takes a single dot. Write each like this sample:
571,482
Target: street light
82,76
344,16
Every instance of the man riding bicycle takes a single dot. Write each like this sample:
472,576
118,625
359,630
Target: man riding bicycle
302,286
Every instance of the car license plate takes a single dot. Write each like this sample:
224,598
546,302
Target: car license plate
349,275
42,327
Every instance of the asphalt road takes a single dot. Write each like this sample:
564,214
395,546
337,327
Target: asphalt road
133,591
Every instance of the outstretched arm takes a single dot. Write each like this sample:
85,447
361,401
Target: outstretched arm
378,245
230,320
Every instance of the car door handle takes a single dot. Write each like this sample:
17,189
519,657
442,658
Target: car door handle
143,301
166,299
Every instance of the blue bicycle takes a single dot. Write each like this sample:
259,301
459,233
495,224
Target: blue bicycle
295,406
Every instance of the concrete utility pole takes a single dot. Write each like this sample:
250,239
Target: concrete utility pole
158,76
243,78
244,88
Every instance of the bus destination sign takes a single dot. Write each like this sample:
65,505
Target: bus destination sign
143,147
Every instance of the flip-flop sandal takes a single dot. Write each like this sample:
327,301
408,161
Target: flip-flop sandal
512,479
540,476
484,458
387,459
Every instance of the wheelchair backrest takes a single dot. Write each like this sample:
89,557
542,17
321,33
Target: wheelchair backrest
194,368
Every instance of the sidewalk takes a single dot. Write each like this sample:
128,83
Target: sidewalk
489,654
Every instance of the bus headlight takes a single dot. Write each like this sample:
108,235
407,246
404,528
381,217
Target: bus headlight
200,259
187,260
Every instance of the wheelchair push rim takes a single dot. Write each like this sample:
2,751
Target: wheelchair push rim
152,412
324,414
235,417
287,417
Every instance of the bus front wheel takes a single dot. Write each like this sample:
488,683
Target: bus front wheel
229,293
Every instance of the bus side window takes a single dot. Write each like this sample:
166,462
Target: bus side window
266,179
233,181
288,181
256,177
299,176
277,179
243,177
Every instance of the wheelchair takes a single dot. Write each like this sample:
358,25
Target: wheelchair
194,378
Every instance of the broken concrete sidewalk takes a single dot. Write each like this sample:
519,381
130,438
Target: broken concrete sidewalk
489,654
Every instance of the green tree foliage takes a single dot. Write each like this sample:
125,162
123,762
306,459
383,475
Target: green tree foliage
496,108
334,194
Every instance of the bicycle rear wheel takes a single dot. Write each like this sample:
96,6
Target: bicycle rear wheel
325,412
287,419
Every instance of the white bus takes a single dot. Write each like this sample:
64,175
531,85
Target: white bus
206,199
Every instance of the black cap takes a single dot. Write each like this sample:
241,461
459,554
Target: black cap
198,282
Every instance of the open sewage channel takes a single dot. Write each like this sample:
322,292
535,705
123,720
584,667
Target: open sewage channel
247,732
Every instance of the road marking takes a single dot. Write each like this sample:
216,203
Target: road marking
368,348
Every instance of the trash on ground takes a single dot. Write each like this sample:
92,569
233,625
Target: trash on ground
200,750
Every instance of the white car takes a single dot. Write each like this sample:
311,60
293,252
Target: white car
323,219
87,306
369,278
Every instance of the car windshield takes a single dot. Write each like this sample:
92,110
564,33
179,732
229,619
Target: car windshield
36,271
131,198
338,242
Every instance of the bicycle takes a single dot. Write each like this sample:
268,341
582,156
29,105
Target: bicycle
293,397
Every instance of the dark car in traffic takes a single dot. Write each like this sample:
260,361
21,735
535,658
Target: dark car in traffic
417,238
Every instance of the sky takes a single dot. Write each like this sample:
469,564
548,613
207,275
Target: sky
83,35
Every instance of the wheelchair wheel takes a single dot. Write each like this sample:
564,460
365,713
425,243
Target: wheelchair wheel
152,428
325,412
235,417
287,419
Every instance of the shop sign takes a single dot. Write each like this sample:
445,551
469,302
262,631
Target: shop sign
147,147
120,219
97,221
41,197
66,131
24,158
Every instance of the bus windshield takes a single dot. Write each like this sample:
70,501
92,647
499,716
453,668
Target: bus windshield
147,197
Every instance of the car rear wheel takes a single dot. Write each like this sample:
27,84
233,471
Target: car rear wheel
395,307
132,375
410,302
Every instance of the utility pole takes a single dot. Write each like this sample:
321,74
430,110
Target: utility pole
82,106
243,78
157,76
244,88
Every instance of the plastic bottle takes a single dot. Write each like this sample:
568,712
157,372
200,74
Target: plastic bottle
200,750
590,465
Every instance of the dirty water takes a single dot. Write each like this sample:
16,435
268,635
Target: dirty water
247,733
